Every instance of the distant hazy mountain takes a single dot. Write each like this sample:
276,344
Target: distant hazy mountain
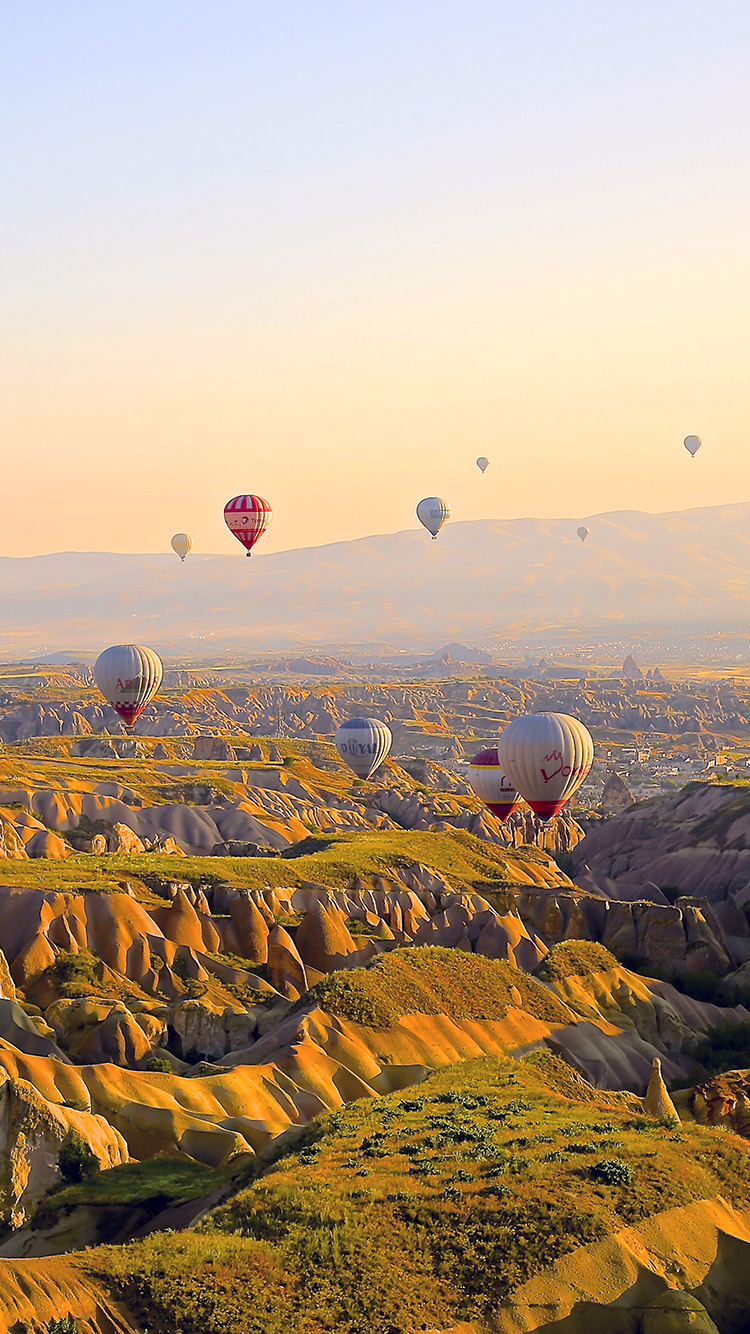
481,581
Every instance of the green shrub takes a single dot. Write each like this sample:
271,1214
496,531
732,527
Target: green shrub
725,1047
156,1063
63,1325
612,1172
576,958
76,1160
75,974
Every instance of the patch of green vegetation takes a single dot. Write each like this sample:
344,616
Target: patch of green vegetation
429,980
75,974
153,1186
290,919
83,974
76,1160
423,1208
158,1064
703,984
356,927
724,1047
465,861
576,958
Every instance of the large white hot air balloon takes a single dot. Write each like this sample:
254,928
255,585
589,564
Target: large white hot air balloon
128,676
546,756
433,513
692,444
583,532
363,744
483,463
490,784
182,543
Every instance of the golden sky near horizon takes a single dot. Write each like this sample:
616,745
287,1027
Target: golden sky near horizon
332,256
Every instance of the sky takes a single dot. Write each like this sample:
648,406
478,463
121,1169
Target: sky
330,251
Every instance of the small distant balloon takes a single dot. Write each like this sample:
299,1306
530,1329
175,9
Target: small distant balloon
247,517
128,676
363,744
483,463
433,513
182,543
583,532
692,444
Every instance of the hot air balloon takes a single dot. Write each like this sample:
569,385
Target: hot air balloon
692,444
546,756
247,517
128,676
582,532
363,744
483,463
433,513
491,785
182,543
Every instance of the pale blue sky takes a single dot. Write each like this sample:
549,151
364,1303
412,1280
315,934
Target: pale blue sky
331,252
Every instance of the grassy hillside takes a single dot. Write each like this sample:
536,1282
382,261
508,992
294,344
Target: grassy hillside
431,980
329,859
423,1207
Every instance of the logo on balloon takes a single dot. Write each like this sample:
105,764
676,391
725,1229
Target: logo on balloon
137,683
563,769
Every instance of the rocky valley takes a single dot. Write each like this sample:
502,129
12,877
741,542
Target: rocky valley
249,1004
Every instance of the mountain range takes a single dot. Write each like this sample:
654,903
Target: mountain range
493,580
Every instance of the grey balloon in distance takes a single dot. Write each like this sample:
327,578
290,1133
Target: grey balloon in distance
182,544
692,444
363,744
432,513
483,463
583,532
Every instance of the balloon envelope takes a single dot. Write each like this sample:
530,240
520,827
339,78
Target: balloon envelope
546,756
692,444
182,543
247,517
582,532
128,676
433,513
483,463
363,744
491,785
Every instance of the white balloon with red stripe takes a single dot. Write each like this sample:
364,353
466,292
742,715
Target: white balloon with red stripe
363,744
546,756
128,676
491,785
247,517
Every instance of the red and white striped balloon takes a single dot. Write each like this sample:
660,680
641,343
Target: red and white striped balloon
546,756
247,517
491,785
